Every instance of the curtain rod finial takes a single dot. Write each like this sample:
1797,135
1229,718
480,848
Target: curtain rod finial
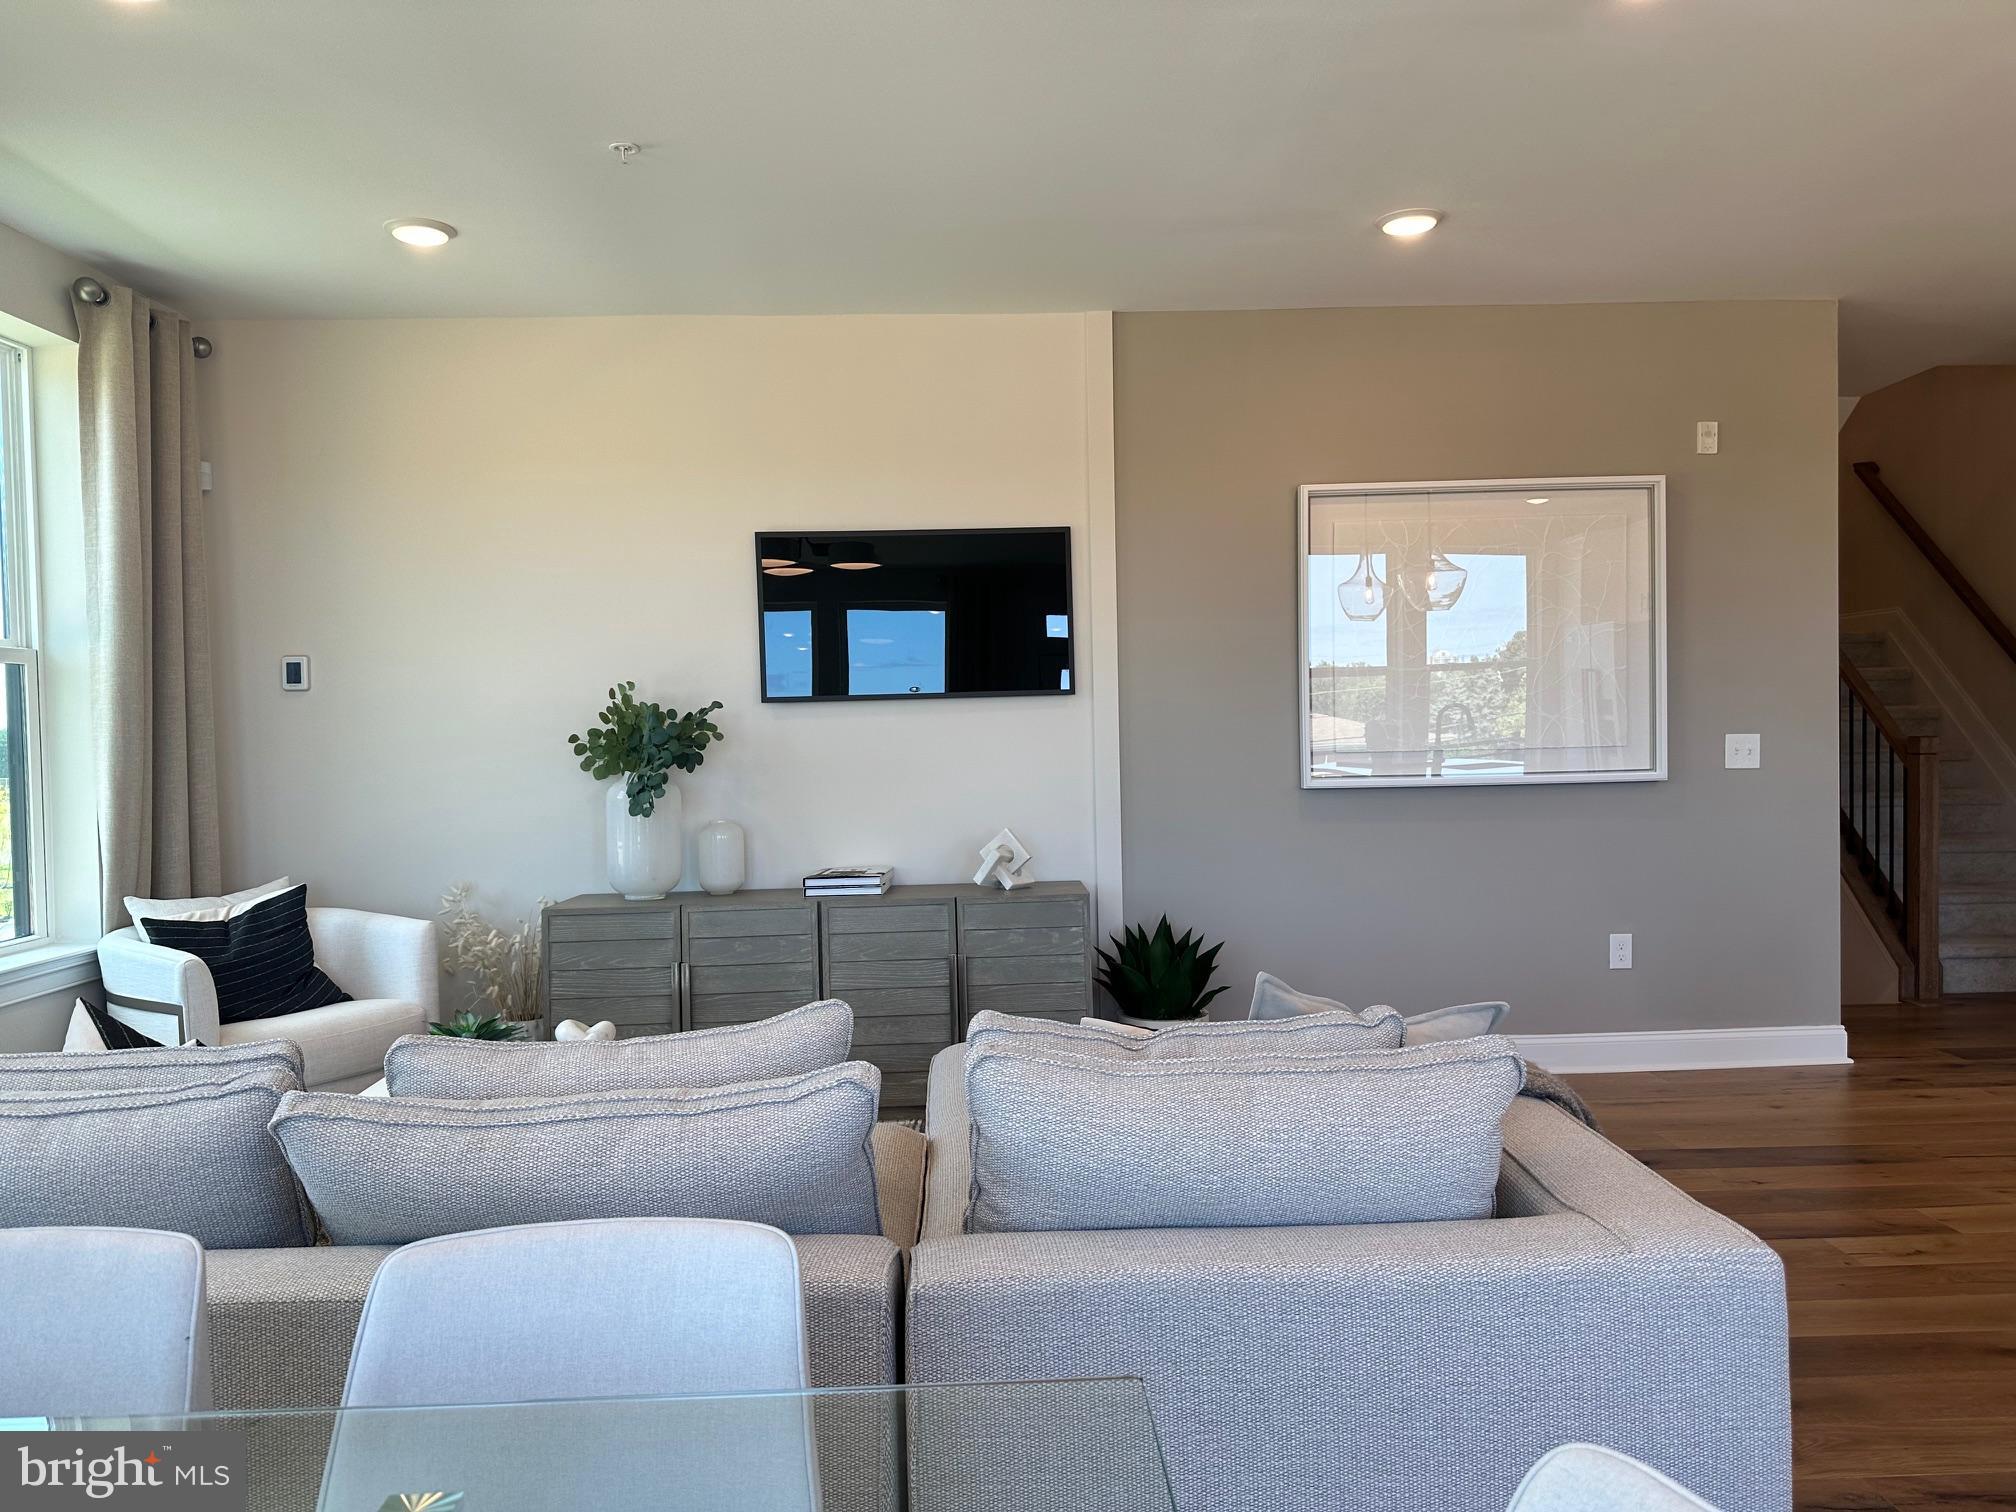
90,291
201,346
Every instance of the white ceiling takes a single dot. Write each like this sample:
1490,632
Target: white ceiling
983,155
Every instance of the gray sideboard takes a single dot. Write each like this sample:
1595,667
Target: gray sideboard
915,962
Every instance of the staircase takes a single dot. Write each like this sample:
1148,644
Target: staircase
1977,829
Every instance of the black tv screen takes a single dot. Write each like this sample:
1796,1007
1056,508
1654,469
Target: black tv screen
914,613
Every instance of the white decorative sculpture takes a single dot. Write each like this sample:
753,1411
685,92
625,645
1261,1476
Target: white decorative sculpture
574,1029
1004,860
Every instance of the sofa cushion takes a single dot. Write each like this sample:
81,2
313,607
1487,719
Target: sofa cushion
1305,1034
162,1066
813,1038
1275,1000
1375,1136
792,1152
261,959
341,1041
193,1159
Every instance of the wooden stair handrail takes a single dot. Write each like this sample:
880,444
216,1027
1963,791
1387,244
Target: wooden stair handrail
1998,629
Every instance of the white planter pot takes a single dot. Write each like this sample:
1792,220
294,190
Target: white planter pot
721,857
646,856
1195,1018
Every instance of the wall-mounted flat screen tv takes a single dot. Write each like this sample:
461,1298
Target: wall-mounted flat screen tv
914,613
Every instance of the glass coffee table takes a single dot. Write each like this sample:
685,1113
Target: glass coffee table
1054,1446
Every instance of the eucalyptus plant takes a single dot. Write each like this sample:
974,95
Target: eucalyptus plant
642,742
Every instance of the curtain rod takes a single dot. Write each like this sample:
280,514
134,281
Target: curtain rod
93,292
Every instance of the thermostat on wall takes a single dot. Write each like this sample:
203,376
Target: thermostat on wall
294,674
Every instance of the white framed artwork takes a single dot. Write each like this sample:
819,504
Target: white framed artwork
1482,633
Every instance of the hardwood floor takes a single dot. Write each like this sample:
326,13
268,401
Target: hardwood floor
1889,1187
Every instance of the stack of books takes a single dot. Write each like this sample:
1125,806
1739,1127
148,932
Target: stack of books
849,881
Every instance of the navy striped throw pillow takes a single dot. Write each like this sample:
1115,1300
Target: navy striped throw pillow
262,960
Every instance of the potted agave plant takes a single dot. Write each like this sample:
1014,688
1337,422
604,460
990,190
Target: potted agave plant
1157,979
638,744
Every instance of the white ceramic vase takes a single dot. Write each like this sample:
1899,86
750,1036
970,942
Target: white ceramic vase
646,856
721,857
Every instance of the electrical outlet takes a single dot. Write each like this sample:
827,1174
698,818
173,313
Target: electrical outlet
1620,952
1742,751
1708,437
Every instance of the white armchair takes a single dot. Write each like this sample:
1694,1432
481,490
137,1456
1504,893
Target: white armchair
390,966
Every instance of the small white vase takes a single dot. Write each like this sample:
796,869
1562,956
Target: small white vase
646,856
721,857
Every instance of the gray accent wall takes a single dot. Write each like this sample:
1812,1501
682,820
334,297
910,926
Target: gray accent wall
1729,880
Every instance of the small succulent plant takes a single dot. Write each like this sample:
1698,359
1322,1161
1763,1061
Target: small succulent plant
1158,976
474,1026
642,742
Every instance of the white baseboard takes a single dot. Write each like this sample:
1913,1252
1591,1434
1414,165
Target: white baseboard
1688,1049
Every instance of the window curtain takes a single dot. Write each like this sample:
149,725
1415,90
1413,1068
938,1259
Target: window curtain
153,731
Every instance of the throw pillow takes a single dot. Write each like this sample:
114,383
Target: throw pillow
261,957
194,1159
155,1066
142,911
1462,1021
1306,1034
805,1039
92,1028
793,1153
1275,999
1373,1136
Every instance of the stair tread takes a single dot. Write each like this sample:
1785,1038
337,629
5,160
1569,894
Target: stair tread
1979,892
1978,947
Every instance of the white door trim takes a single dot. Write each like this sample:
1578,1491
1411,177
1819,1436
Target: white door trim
1102,625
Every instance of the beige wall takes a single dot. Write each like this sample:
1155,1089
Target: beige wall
1946,441
474,526
1728,880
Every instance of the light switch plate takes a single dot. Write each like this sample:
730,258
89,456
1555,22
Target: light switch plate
1742,751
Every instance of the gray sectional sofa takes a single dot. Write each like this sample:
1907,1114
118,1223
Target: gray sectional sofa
1388,1366
1293,1365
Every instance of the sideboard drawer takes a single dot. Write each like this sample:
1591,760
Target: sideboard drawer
875,1030
610,955
1069,1003
872,916
703,982
654,982
1010,912
713,923
751,950
908,945
1058,941
661,924
1006,971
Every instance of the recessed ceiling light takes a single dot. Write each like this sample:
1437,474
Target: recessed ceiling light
1407,224
1536,501
422,233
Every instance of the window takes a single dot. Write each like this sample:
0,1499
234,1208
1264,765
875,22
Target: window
1489,632
21,871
